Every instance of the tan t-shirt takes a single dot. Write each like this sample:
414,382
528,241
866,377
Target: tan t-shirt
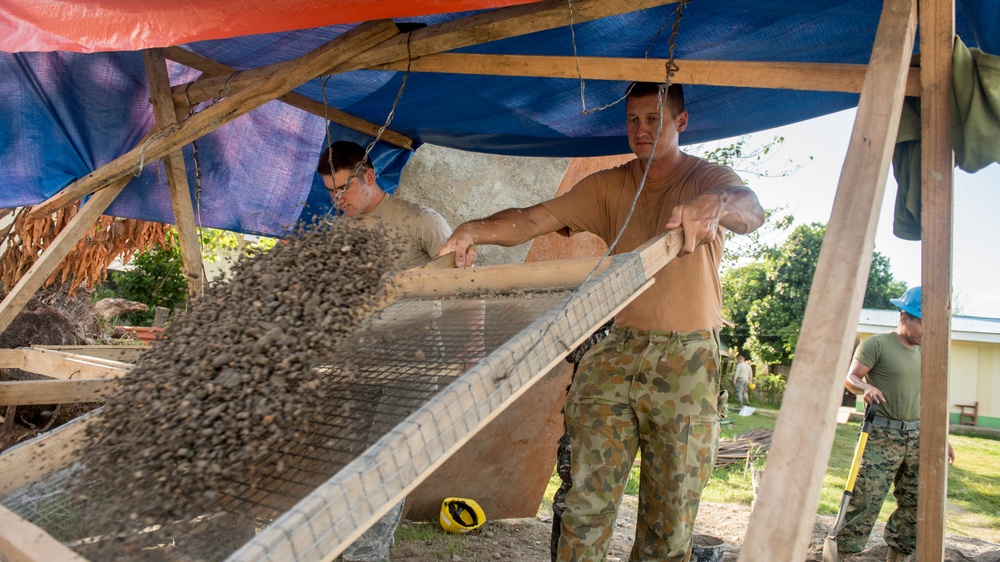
421,230
686,295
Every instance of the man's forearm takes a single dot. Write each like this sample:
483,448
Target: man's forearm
509,227
855,385
740,210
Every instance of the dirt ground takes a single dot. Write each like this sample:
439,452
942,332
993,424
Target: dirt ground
527,540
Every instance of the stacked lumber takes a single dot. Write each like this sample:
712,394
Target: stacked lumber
744,447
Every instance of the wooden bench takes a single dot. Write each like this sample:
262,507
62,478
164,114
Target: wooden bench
968,414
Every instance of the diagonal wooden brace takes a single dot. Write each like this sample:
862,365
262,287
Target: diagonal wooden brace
280,79
782,521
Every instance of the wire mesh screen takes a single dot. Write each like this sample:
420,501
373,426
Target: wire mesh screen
332,516
419,381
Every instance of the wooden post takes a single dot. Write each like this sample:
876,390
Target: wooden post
781,525
180,192
46,264
937,36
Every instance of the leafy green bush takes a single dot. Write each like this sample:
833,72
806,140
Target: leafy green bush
770,388
156,278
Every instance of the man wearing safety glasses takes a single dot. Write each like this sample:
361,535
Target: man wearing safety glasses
349,176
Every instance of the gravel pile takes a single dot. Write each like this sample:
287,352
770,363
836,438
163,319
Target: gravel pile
234,378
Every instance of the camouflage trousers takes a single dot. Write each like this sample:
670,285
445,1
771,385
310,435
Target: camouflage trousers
654,392
892,456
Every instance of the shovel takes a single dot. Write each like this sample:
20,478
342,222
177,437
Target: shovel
830,544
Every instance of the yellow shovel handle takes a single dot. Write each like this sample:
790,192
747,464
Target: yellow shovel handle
859,451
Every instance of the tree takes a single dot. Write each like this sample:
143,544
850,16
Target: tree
754,160
156,278
767,299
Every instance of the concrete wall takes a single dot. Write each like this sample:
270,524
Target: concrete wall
468,185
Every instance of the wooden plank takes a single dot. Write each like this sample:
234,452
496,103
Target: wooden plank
822,77
11,359
64,242
176,170
657,252
122,353
781,524
472,30
213,69
32,393
493,26
937,35
440,283
23,542
39,457
51,364
33,351
283,78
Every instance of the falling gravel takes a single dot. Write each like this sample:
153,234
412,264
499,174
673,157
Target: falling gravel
236,377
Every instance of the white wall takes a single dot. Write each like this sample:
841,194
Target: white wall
468,185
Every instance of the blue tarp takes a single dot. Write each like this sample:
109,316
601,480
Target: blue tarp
63,115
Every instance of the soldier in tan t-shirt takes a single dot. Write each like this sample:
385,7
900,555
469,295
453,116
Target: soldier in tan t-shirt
653,383
348,174
420,232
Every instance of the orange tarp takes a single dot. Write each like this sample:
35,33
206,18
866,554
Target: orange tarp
130,25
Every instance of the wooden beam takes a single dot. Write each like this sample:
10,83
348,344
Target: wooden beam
58,366
436,283
659,251
937,36
31,393
39,457
492,26
23,542
822,77
471,30
120,353
34,352
11,359
781,524
64,242
214,69
176,170
441,283
283,78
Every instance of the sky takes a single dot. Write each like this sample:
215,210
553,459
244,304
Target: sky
809,191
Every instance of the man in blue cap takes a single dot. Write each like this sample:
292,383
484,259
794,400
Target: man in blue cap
886,371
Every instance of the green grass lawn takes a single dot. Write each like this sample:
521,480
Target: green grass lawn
973,482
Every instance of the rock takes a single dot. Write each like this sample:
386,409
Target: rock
106,309
40,324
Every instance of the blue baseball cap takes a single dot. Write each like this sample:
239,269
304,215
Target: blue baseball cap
909,302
